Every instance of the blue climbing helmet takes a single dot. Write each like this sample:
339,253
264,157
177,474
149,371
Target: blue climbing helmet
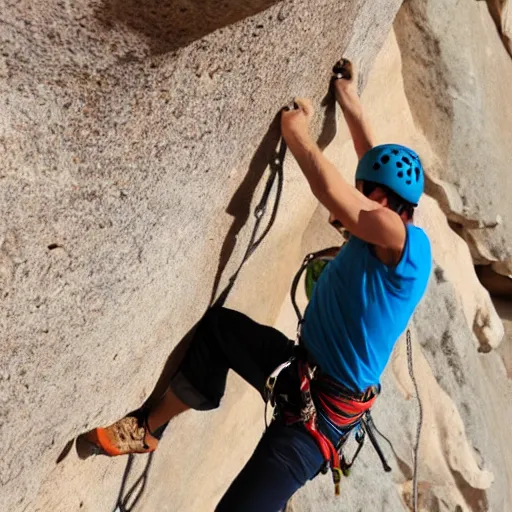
397,167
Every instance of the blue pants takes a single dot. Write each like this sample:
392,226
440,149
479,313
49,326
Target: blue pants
284,460
286,456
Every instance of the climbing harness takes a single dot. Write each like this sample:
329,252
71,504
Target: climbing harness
347,411
343,410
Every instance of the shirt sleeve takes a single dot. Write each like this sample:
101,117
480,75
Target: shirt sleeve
416,261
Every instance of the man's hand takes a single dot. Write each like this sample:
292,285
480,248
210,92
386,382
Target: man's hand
345,85
295,123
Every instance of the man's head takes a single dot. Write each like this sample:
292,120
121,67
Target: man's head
386,197
391,175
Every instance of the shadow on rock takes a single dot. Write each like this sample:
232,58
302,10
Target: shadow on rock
127,499
240,205
171,24
65,452
266,155
329,125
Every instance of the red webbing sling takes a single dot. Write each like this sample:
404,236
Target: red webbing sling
342,410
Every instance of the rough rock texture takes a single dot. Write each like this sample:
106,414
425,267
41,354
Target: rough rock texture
126,129
457,77
134,139
504,308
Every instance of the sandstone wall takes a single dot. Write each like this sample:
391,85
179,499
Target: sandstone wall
457,75
135,138
129,166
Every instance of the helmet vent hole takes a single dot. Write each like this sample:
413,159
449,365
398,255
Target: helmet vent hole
409,172
417,171
400,174
376,166
395,151
406,160
399,165
408,182
385,159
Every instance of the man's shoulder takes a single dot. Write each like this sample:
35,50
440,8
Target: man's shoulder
419,250
418,236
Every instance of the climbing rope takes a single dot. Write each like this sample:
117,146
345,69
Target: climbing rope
420,423
276,170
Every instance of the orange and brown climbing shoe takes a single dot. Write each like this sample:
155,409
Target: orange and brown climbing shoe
128,435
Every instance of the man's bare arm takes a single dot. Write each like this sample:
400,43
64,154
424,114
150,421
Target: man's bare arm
363,217
348,99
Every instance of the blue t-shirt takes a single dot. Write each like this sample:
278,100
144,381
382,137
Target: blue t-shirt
360,307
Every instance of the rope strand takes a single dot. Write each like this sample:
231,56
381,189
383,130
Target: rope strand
420,422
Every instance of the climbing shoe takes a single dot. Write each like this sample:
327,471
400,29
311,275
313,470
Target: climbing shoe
128,435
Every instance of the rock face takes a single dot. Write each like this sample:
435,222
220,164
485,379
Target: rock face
456,77
135,138
134,142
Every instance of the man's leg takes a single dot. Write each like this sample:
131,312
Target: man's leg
167,408
224,339
284,460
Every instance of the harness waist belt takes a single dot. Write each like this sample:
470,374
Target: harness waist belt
320,392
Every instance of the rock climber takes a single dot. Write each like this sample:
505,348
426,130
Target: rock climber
360,306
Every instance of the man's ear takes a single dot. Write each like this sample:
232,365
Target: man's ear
406,218
379,196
